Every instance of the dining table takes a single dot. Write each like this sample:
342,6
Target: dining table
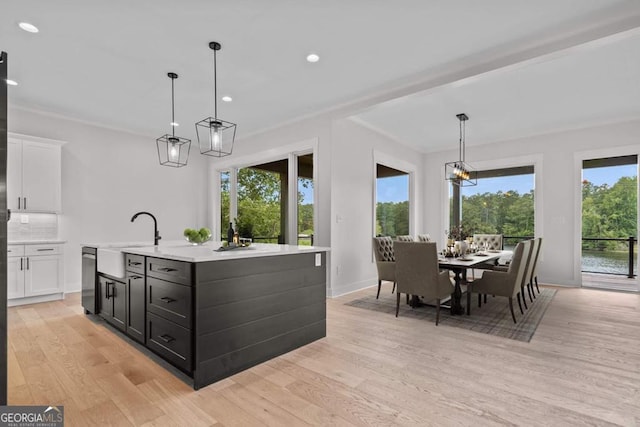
459,266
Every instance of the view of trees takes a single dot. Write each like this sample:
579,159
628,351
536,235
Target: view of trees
259,205
609,211
507,213
392,219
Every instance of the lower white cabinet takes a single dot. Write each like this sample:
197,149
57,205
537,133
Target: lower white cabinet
34,270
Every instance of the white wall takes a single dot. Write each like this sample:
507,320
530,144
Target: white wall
352,194
559,186
107,176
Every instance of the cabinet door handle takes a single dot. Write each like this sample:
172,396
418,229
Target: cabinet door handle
135,277
25,203
19,201
167,269
167,300
166,338
21,259
45,249
134,263
106,290
27,263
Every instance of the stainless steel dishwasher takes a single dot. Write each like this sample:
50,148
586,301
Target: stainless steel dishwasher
89,280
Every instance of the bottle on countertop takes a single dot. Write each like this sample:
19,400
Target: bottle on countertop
236,238
230,233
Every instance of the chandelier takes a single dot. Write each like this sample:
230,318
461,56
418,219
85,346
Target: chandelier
459,172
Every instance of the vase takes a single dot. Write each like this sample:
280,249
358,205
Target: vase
461,247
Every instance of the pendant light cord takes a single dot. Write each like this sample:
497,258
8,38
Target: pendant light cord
215,87
173,119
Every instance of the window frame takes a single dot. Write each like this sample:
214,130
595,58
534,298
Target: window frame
233,163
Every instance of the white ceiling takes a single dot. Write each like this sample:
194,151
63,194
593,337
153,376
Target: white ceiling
106,63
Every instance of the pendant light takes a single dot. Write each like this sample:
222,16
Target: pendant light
172,150
459,172
215,136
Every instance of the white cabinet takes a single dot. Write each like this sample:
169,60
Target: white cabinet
34,174
34,270
15,277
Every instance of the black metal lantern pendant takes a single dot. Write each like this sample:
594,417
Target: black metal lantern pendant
215,136
459,172
172,150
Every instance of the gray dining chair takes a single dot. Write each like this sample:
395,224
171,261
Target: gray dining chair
417,273
505,283
404,238
385,261
424,238
534,274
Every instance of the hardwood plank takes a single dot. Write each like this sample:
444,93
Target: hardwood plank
580,368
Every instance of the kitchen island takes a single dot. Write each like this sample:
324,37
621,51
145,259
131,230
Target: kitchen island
212,314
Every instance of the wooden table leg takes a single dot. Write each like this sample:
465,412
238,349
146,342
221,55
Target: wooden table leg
456,306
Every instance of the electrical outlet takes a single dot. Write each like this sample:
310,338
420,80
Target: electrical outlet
318,260
24,219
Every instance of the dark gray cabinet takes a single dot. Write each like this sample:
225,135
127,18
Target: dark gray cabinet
113,301
169,302
135,306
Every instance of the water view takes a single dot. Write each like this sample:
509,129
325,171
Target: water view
607,262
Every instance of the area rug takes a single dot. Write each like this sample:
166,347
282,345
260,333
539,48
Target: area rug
493,318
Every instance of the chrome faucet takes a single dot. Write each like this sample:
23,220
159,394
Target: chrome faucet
156,234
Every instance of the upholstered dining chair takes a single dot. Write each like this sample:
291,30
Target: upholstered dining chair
493,241
417,273
404,238
505,283
385,261
530,265
424,238
534,275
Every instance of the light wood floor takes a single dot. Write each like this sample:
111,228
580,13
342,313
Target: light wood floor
609,281
582,367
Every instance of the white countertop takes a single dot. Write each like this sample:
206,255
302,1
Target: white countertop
36,242
206,252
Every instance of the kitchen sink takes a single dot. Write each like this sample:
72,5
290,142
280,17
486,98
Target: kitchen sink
111,262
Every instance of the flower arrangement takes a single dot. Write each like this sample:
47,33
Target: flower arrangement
457,233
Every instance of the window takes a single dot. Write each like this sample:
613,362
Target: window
262,201
305,200
392,201
262,204
225,207
609,214
501,203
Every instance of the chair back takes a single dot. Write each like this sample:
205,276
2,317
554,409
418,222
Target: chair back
424,238
383,249
493,241
417,268
404,238
535,260
531,262
518,265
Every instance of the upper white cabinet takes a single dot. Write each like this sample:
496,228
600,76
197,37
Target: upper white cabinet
34,174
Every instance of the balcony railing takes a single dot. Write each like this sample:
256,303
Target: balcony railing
626,270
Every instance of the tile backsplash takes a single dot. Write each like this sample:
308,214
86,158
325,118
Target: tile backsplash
32,226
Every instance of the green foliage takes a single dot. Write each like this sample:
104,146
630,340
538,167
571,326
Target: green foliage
259,211
392,219
609,212
507,213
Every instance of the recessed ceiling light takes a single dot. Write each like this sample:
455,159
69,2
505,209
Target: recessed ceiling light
227,98
312,57
175,124
11,82
28,27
